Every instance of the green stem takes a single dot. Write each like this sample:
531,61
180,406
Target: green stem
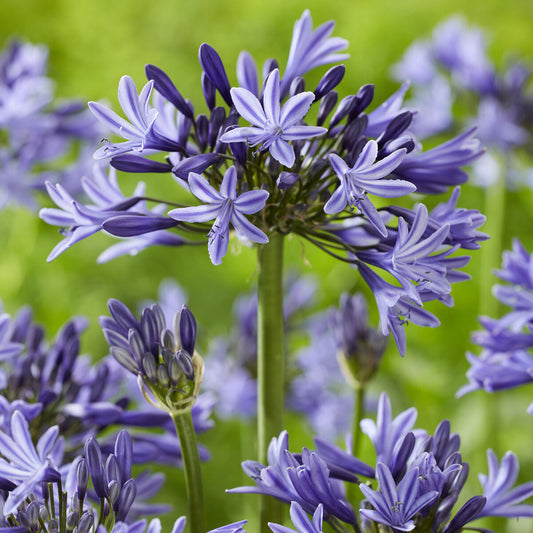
270,360
193,472
358,413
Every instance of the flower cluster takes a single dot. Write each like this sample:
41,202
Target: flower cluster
414,484
255,163
36,132
451,69
505,360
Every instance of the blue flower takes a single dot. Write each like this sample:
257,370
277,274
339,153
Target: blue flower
365,177
502,500
224,206
310,49
396,506
386,432
25,464
272,125
301,521
305,480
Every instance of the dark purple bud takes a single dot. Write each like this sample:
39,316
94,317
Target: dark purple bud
455,483
125,359
149,330
329,81
214,69
82,478
326,107
286,180
297,86
162,376
363,98
133,225
51,475
268,66
440,441
126,499
186,364
210,92
202,130
122,315
137,163
72,520
354,133
197,163
187,329
163,85
247,72
401,455
112,470
344,107
93,456
467,513
86,522
6,484
218,116
395,128
123,453
53,526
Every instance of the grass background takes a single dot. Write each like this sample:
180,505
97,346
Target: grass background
93,43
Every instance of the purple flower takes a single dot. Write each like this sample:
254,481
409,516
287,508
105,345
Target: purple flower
272,125
311,49
386,431
439,168
306,481
365,177
396,506
380,118
26,464
502,500
225,207
301,520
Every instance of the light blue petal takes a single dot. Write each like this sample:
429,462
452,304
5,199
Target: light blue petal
283,152
337,202
251,202
302,132
295,109
245,228
271,98
228,188
198,213
248,106
203,191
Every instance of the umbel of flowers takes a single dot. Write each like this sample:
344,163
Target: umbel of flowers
269,159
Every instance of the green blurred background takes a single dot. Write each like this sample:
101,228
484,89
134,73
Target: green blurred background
93,43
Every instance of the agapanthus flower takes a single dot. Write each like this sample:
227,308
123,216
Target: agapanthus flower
272,125
26,465
365,177
224,206
396,506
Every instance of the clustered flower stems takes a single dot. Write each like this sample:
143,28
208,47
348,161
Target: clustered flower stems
270,359
192,468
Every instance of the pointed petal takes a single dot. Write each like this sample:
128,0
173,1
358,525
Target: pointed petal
251,202
302,132
245,228
228,188
271,98
296,108
202,190
337,202
283,152
248,106
198,213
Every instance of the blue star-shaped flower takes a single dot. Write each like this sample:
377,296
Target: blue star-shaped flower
272,125
365,177
396,506
225,207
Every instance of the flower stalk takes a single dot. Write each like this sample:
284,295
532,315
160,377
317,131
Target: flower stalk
193,473
270,359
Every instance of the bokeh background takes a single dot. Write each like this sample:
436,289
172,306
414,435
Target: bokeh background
94,42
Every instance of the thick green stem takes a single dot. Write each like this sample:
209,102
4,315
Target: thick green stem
193,472
270,360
